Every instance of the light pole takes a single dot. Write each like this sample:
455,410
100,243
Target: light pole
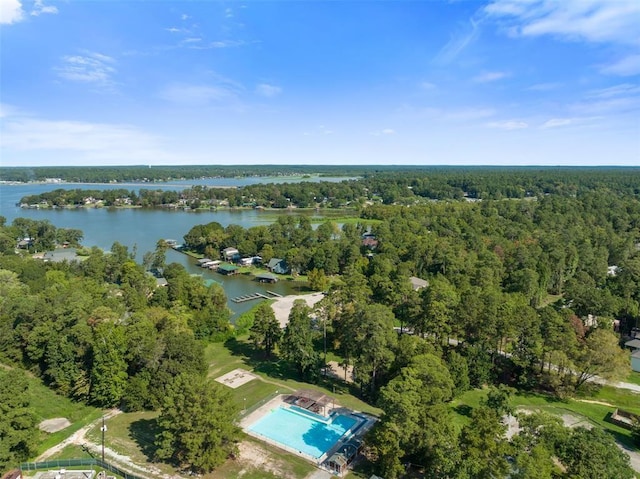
245,406
103,429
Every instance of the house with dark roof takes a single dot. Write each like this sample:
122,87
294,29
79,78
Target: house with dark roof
278,266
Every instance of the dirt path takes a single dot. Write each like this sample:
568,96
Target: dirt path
77,437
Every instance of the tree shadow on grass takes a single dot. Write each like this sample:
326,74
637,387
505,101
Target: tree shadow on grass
272,367
144,433
463,410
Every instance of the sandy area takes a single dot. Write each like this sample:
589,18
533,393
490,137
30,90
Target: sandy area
337,371
54,425
282,306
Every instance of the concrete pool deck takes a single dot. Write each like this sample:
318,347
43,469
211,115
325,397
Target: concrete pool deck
365,423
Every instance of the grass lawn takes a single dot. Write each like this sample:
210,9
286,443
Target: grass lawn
633,378
239,353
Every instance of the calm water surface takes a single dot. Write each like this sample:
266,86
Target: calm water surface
142,228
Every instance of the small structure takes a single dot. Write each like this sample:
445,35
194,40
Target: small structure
278,266
24,243
635,361
624,418
633,344
266,278
171,243
230,254
369,241
227,269
314,401
203,261
341,459
418,283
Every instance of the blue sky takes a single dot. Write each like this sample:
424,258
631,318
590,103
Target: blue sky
502,82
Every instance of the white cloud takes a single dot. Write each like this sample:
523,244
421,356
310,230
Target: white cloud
10,12
228,13
627,66
186,94
268,91
459,41
585,20
90,67
81,141
615,91
487,77
40,8
184,17
508,125
557,122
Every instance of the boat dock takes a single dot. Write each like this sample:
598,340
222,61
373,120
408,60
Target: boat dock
252,296
249,297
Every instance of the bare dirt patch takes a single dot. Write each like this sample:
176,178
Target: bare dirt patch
54,425
255,457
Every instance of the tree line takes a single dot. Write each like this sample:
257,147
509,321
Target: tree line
407,186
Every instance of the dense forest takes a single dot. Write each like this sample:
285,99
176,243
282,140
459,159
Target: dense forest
404,187
533,293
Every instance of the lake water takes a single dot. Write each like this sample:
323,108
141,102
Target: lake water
142,228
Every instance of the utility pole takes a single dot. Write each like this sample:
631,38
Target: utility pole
103,429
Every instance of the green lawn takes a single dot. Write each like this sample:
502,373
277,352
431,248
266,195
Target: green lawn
633,378
239,353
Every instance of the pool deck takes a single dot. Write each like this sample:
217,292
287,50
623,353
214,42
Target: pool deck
366,423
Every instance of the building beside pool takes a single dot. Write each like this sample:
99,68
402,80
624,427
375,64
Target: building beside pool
312,425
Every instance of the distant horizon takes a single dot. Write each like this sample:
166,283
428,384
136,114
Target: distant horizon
310,166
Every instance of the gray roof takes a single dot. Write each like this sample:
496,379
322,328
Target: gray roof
418,283
273,262
634,343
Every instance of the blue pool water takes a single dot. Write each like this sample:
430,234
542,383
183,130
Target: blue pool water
302,431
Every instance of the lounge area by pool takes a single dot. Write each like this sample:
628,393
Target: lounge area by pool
303,431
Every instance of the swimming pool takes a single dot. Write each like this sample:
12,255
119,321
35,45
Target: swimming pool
301,431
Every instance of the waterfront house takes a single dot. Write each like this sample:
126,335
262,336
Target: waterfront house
203,261
246,261
278,266
214,265
230,254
